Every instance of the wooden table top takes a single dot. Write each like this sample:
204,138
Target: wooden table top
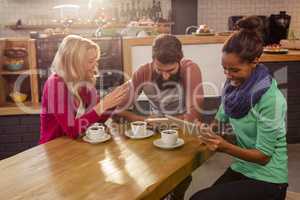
120,168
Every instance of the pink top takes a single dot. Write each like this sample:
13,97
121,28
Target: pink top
58,115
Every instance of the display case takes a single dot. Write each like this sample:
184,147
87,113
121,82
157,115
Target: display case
18,77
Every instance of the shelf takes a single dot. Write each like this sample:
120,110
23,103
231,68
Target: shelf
53,26
7,72
30,70
14,109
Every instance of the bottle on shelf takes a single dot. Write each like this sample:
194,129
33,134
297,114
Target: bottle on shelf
127,13
153,11
139,10
170,14
133,12
122,13
159,11
149,12
144,11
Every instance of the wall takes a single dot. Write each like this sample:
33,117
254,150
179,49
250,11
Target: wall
36,12
212,12
216,12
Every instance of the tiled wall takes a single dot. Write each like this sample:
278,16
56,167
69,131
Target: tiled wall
36,12
39,12
215,13
212,12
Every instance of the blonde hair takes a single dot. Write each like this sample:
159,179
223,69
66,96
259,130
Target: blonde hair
69,62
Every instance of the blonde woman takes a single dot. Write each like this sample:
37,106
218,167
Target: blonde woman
70,103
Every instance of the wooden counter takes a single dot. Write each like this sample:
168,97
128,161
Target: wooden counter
118,169
52,26
24,109
292,55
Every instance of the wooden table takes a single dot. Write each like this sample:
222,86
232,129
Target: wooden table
120,168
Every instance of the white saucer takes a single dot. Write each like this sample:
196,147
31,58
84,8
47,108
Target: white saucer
104,139
159,143
129,134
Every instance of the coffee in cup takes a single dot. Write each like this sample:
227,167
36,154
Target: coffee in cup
96,132
138,128
169,137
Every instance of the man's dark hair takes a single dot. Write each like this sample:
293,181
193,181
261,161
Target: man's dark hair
167,49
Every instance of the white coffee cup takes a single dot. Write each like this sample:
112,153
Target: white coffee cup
169,137
138,128
96,132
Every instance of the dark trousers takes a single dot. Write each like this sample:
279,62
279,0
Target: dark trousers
235,186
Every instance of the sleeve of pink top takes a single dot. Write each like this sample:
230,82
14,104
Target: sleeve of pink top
194,91
65,114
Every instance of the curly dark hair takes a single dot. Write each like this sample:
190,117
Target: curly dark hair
167,49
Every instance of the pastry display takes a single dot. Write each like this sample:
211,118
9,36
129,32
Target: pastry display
275,49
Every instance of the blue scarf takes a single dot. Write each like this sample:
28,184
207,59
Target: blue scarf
237,101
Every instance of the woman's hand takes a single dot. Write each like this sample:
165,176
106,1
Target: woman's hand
214,142
113,99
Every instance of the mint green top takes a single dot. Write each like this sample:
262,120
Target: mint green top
263,128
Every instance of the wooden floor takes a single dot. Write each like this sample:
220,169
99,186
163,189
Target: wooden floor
292,196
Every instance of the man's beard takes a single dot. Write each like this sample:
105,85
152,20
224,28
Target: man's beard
162,84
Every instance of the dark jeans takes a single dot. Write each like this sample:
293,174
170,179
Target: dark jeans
235,186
